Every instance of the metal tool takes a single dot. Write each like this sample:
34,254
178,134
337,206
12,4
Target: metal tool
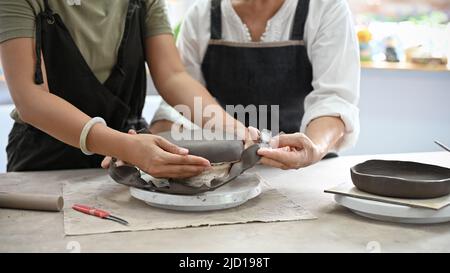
98,213
442,146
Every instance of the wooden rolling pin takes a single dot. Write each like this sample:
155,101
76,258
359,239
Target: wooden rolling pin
31,201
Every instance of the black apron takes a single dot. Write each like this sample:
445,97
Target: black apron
260,74
119,100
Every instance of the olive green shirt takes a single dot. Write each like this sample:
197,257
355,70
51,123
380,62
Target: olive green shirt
96,25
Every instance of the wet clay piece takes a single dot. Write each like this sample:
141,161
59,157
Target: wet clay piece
216,151
231,152
402,179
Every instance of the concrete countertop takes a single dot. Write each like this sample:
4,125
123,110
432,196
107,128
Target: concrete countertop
336,228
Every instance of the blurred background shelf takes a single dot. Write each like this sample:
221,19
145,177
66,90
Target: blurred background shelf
406,66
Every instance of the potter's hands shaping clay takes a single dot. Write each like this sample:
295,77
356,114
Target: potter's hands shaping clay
160,158
221,152
228,159
291,151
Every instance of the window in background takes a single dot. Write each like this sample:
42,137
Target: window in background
177,9
400,32
403,31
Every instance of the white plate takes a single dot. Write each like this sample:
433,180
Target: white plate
235,193
392,212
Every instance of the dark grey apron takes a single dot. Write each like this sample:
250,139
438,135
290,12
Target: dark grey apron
261,74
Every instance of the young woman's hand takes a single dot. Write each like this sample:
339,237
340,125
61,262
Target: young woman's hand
291,151
160,158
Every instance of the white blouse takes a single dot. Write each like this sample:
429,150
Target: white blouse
331,45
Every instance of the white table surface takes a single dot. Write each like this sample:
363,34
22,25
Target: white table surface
336,228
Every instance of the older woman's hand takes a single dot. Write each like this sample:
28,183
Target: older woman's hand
291,151
251,136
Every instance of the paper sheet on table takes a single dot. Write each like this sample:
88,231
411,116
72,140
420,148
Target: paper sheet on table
350,190
269,206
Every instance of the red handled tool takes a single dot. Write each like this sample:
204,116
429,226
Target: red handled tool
98,213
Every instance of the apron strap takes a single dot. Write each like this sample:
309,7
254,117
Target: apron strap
133,5
301,14
47,6
143,14
216,20
38,78
47,14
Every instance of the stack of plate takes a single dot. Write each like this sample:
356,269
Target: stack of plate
393,213
233,194
399,179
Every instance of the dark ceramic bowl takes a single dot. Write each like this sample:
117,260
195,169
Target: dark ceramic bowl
402,179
